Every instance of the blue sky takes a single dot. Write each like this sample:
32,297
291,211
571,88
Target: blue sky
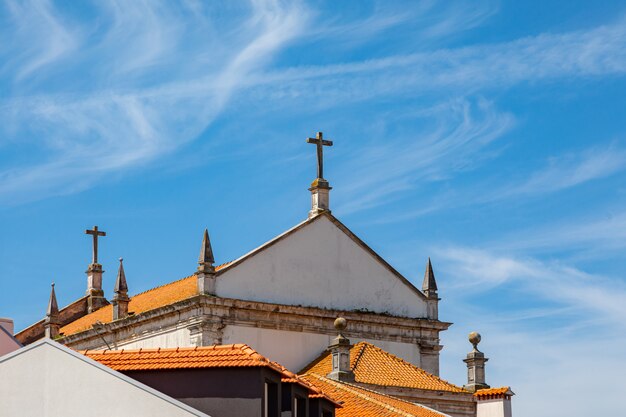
487,135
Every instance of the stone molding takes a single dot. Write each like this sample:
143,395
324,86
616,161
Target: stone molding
206,316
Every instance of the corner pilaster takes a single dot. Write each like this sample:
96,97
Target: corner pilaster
207,332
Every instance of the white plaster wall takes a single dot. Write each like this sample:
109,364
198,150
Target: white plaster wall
295,350
45,381
494,408
171,339
319,265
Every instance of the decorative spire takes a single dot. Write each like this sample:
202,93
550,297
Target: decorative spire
52,323
120,299
340,352
206,270
121,287
53,306
475,365
206,259
429,286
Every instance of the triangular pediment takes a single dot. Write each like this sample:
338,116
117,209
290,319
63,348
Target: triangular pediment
321,263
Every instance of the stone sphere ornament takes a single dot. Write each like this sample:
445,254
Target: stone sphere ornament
474,339
341,323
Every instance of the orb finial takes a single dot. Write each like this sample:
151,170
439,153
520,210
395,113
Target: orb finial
340,324
474,339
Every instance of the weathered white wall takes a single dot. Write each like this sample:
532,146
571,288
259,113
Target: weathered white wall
499,407
173,338
43,380
319,265
295,350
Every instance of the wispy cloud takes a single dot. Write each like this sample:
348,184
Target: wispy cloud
39,35
559,173
479,270
599,51
461,131
131,117
555,318
595,237
107,130
570,170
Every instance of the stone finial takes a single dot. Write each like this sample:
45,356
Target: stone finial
206,260
429,288
206,270
475,365
474,339
120,299
52,323
429,285
340,352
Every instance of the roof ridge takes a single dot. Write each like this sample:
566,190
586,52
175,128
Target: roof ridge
400,360
359,354
160,349
350,387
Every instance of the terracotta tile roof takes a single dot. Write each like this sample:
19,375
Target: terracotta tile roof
372,365
148,300
490,393
222,356
358,401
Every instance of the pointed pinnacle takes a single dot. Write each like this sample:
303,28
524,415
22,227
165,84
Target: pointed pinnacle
120,283
53,307
206,252
429,283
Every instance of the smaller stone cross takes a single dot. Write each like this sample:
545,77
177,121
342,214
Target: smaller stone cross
320,142
95,233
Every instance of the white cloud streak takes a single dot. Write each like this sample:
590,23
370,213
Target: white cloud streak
577,326
104,132
40,37
463,129
133,119
599,51
479,270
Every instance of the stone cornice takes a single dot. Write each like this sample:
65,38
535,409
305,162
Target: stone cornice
200,308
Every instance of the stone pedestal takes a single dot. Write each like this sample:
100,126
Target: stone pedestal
320,197
206,282
95,293
475,371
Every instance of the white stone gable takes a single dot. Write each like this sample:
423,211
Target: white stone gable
46,379
319,264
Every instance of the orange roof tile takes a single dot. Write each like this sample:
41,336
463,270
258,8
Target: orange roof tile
222,356
237,355
372,365
148,300
493,393
358,401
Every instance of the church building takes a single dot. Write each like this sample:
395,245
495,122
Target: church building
283,299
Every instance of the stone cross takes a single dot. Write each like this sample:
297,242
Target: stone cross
95,233
320,142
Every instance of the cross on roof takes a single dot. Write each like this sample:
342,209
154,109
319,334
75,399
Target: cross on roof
95,233
320,142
